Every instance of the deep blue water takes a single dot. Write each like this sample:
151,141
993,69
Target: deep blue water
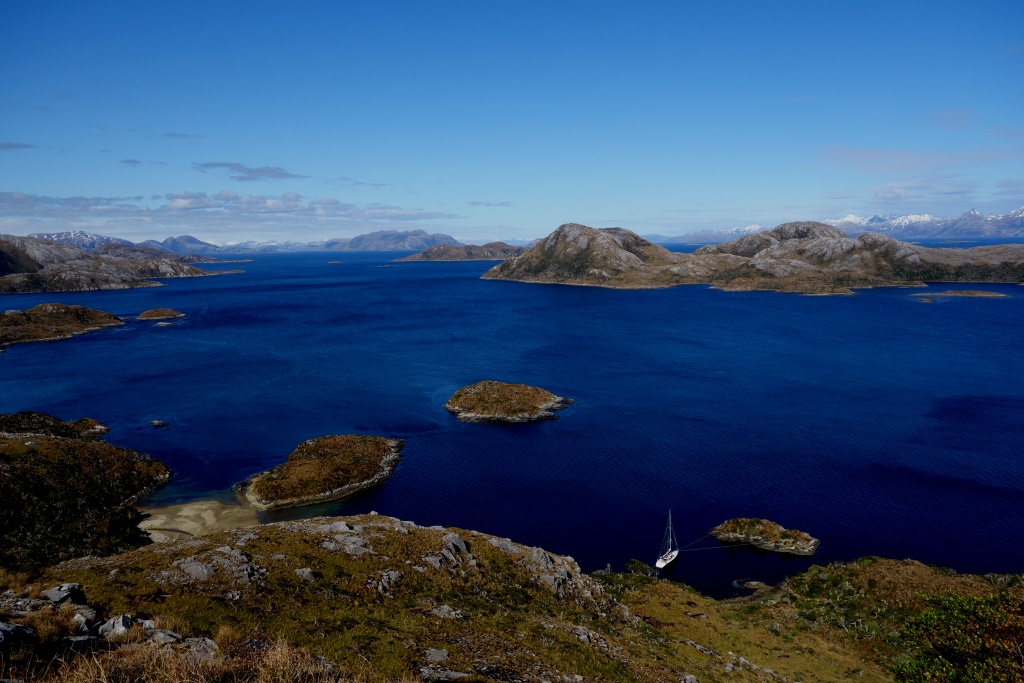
878,423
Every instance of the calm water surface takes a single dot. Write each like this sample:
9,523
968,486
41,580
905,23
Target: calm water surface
878,423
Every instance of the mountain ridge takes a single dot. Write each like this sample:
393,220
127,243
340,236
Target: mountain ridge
804,256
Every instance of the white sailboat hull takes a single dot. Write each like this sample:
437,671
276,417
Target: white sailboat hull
666,559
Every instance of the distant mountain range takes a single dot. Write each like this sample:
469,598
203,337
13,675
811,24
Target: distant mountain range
969,225
384,240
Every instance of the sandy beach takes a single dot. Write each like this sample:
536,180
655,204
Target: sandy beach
195,519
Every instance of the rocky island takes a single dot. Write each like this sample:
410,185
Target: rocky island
322,469
805,257
965,293
160,314
49,322
29,264
766,535
492,251
490,401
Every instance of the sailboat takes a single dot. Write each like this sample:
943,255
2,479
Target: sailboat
669,546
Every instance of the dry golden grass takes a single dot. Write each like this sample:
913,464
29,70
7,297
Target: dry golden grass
279,663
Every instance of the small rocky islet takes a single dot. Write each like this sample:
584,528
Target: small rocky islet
323,469
961,293
492,401
766,535
160,314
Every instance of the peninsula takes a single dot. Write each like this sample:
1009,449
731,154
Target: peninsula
766,535
29,264
322,469
804,257
64,492
492,251
491,401
49,322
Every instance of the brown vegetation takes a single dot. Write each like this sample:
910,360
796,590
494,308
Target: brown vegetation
324,468
51,321
499,401
160,314
64,492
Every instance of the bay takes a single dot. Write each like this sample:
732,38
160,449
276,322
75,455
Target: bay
880,424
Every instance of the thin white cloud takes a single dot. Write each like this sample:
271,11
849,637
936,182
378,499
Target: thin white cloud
490,203
953,119
1010,187
244,173
905,160
225,215
345,181
929,187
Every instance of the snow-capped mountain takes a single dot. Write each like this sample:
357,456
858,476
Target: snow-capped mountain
706,236
924,226
79,238
970,224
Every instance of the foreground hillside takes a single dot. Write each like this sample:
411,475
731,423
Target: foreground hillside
373,598
807,257
35,265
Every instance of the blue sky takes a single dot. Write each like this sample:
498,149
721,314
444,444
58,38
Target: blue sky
488,120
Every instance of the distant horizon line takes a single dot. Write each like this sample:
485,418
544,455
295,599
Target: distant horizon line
751,227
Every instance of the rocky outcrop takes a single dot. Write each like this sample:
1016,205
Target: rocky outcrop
805,257
49,322
34,265
65,492
160,314
493,251
491,401
322,469
766,535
